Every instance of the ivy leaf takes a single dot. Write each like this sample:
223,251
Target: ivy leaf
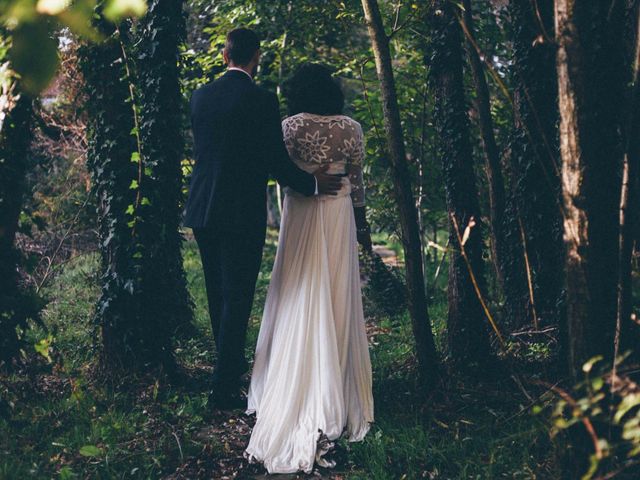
135,157
43,347
90,451
130,209
628,402
134,185
586,368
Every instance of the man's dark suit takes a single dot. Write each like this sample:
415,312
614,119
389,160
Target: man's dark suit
238,143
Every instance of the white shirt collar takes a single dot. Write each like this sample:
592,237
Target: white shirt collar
240,70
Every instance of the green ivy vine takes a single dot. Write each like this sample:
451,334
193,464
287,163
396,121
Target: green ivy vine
128,336
467,323
159,35
136,148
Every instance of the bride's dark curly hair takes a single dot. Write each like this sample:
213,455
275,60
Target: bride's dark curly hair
312,89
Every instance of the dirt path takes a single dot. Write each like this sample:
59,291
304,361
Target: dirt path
388,256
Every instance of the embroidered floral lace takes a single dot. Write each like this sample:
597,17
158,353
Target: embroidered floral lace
315,140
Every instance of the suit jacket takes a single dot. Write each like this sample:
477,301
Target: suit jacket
238,143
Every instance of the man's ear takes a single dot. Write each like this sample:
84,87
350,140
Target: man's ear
256,57
225,56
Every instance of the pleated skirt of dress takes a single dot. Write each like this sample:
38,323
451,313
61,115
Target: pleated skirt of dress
312,372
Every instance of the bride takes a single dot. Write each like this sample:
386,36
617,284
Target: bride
311,379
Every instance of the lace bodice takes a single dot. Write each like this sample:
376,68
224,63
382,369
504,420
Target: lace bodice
315,140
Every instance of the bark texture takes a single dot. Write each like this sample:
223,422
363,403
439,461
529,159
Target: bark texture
534,225
627,331
591,80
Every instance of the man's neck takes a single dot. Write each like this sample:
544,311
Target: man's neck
241,69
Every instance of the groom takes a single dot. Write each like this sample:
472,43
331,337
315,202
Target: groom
238,143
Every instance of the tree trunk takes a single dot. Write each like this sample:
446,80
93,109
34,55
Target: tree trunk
467,323
591,80
536,226
130,338
627,331
161,133
492,164
425,346
15,136
632,33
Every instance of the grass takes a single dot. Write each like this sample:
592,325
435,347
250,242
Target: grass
62,424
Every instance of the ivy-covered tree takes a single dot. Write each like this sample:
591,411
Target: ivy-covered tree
534,270
467,323
164,287
131,336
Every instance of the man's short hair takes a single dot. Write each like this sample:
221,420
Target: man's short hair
241,45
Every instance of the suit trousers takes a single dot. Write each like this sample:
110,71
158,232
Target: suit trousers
231,263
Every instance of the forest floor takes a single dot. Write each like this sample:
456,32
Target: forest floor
57,421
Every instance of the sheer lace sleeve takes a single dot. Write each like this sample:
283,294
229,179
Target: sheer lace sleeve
355,168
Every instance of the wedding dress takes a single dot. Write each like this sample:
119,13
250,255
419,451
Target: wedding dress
311,377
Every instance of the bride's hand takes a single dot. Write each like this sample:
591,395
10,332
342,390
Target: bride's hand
327,184
363,232
364,239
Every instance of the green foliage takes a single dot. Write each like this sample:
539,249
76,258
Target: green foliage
90,451
34,55
34,25
115,10
600,418
29,51
289,33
